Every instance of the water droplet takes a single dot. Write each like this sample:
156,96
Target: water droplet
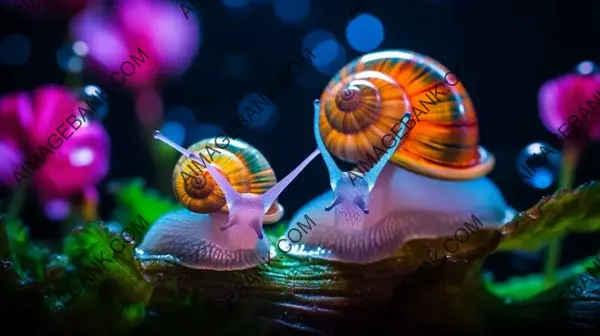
538,165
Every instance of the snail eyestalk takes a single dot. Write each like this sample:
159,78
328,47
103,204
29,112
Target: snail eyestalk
336,200
334,171
271,195
231,195
360,202
372,175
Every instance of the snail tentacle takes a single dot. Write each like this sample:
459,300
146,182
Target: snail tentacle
337,199
256,224
230,194
271,195
335,173
232,221
360,202
372,175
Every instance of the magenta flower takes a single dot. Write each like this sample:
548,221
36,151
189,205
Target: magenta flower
45,140
569,106
159,28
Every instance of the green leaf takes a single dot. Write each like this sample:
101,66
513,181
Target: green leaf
554,216
521,288
134,200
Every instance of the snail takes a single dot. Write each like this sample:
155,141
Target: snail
433,181
235,196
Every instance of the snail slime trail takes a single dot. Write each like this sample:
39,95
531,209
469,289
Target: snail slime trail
66,132
87,275
378,152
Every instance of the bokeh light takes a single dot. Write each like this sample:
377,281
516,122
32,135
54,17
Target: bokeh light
80,48
174,131
15,49
330,55
585,68
57,209
312,39
235,3
75,65
291,11
236,66
81,157
183,115
202,131
365,33
538,165
267,119
68,60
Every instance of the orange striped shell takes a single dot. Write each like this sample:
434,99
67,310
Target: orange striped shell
244,166
364,100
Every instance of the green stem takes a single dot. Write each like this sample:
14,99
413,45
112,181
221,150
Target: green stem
570,160
16,203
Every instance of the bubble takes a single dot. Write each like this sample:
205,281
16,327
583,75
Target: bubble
95,96
538,165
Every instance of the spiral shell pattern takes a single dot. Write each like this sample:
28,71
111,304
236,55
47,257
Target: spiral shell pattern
245,167
366,98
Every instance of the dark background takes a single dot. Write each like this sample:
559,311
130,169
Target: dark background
518,46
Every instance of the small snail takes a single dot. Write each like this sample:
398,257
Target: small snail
435,181
236,195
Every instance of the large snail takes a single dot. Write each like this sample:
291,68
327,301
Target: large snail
435,180
226,207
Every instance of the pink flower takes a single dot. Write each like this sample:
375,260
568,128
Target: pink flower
159,28
569,106
44,138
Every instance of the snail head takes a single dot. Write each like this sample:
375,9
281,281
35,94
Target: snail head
244,208
352,188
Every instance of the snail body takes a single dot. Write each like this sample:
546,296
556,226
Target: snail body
435,177
237,192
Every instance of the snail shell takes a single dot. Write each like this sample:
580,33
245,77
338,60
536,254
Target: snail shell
366,98
245,168
437,180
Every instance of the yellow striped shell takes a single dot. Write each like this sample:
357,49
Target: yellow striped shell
245,167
